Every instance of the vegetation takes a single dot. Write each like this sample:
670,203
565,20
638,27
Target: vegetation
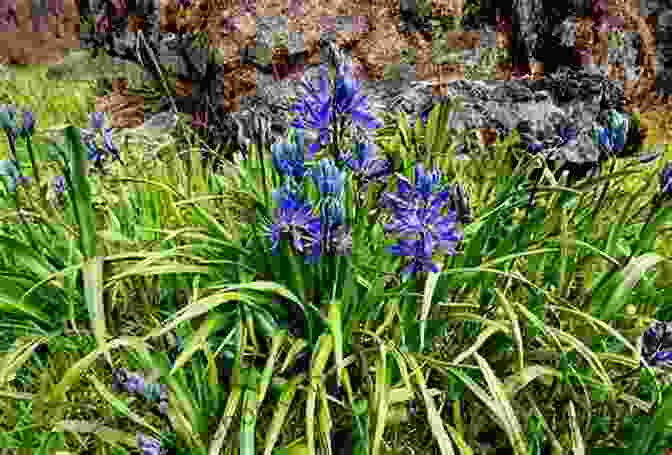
143,307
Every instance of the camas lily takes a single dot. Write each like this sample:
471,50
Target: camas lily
417,219
322,107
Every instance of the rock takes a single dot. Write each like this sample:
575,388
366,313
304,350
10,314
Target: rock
252,77
540,110
37,32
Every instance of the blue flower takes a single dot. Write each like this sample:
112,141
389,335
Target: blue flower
59,184
28,125
295,218
316,109
7,116
417,219
289,159
148,445
332,212
656,344
361,153
96,120
567,134
425,181
109,145
666,180
328,178
613,136
365,164
535,146
135,383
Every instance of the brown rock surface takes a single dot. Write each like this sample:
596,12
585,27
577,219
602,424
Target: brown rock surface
27,38
374,40
378,42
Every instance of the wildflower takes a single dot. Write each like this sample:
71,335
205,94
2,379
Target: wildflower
103,24
418,221
135,383
294,217
614,135
231,24
148,445
7,116
109,145
59,184
567,135
152,392
28,125
96,120
248,6
289,158
328,178
316,108
365,164
119,378
164,392
666,180
23,180
657,344
163,407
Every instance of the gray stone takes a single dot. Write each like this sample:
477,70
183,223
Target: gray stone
541,109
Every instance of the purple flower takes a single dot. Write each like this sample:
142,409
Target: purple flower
657,344
417,219
59,184
8,16
96,120
328,178
289,159
119,377
109,145
366,165
163,407
295,7
294,217
316,108
135,383
666,179
28,125
148,445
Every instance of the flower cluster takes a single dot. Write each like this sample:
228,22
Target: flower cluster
666,180
417,219
97,154
293,215
149,445
366,165
657,344
135,383
416,211
613,136
322,108
12,168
